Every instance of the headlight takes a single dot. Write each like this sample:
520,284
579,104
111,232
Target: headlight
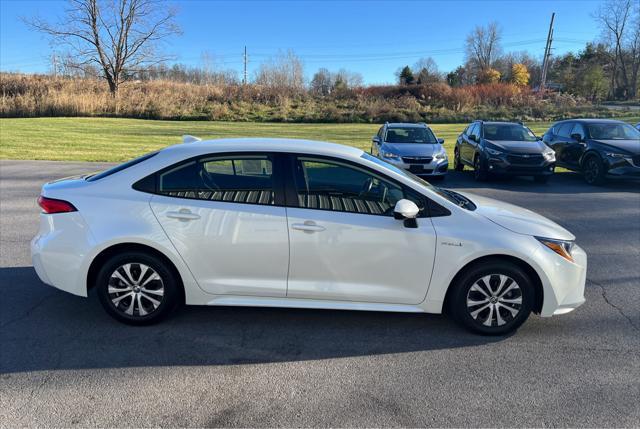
390,155
493,152
441,155
616,155
549,155
561,247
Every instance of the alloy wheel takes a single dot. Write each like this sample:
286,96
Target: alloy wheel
135,289
494,300
591,170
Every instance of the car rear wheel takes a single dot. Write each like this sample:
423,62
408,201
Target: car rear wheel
593,170
137,288
492,299
457,162
479,171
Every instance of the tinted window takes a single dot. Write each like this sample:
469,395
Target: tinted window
330,185
120,167
410,135
246,179
579,129
613,131
475,130
564,130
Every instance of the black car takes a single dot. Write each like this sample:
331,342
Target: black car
599,148
504,148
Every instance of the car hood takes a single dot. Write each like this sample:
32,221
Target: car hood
519,146
412,149
518,219
631,146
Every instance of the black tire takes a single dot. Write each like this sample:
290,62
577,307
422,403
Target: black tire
463,313
457,162
480,172
593,170
541,179
142,292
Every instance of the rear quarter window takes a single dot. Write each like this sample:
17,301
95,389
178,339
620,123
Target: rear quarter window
120,167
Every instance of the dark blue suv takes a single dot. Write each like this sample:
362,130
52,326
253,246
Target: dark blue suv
503,148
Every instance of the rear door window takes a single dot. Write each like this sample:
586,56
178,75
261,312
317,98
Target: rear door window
240,179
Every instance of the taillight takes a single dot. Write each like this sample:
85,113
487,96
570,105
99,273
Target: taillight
50,205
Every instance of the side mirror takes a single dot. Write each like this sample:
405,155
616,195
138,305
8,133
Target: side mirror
406,211
577,137
376,139
472,137
441,141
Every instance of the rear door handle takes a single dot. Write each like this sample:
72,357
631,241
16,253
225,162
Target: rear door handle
308,226
183,215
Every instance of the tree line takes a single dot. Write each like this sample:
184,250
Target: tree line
121,40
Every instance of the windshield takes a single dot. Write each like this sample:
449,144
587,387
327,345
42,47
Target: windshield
510,132
420,135
613,131
447,194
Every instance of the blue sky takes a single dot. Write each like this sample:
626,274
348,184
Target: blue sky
373,38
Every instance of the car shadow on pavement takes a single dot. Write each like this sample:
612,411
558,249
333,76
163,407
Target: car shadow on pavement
42,328
559,183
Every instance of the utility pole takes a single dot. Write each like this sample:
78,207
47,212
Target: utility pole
547,54
244,79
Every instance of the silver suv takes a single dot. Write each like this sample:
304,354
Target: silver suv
413,147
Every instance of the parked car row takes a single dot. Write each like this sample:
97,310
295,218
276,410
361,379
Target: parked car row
597,148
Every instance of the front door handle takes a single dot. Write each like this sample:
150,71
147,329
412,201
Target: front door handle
308,226
183,215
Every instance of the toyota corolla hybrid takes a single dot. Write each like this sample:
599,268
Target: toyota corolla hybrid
292,223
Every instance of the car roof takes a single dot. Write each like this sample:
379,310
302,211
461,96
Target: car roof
263,144
500,123
406,125
592,121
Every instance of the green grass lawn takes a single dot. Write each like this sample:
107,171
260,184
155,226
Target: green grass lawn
115,139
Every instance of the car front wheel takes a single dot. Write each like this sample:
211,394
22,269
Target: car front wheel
137,288
593,170
479,171
492,299
457,162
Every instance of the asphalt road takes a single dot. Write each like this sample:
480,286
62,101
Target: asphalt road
64,362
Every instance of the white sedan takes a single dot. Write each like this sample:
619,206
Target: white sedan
293,223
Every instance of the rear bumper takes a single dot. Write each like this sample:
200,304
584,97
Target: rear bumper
59,250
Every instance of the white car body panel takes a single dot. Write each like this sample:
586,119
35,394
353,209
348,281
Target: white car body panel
232,249
358,262
359,257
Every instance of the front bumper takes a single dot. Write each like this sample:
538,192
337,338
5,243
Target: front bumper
436,167
622,168
501,165
563,282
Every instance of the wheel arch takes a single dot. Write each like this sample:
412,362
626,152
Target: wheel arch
105,254
527,268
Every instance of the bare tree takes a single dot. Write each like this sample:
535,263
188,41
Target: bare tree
121,37
427,70
620,24
284,71
483,45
